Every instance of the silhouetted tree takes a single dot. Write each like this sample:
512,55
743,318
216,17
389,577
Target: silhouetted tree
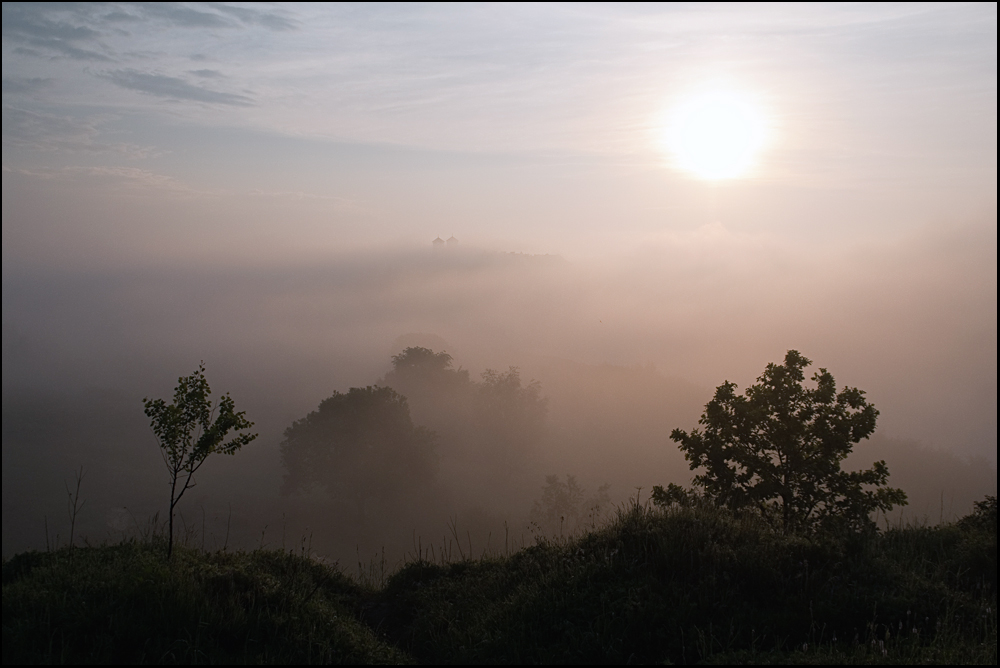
778,449
359,446
510,417
417,360
494,423
438,394
983,516
188,434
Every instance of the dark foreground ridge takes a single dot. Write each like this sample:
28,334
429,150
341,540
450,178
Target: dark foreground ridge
680,585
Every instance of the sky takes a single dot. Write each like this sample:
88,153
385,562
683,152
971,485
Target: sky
277,132
258,186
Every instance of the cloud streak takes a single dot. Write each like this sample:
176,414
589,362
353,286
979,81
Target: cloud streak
25,129
36,28
85,32
17,85
173,88
123,178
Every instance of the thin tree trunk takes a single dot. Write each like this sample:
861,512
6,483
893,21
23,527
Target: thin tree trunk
170,523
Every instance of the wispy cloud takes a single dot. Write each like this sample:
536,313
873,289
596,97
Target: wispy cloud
28,25
215,15
174,88
272,20
208,74
131,178
85,31
17,85
47,132
183,15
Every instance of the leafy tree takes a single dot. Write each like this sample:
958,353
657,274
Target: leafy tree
674,494
188,434
439,396
494,423
359,446
983,516
510,417
778,448
422,360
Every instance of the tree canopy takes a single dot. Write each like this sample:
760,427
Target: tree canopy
497,421
428,381
364,447
417,359
360,446
510,417
778,449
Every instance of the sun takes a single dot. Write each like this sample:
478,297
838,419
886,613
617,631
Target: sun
716,135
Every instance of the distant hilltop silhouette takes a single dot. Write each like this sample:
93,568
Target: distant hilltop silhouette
441,243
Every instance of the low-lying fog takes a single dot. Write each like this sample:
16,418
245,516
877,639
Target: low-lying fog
624,349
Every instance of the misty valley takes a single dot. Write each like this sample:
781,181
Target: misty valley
502,333
407,520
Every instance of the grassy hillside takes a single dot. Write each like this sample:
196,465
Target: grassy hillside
682,585
124,603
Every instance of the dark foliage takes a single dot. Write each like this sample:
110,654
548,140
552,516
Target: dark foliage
125,604
697,584
496,422
361,447
189,430
682,585
778,450
509,417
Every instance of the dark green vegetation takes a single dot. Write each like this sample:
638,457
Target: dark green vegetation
777,451
127,603
684,584
189,430
362,449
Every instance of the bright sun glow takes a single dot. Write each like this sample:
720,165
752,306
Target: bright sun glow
716,135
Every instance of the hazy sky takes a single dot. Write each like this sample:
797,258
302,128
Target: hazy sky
146,146
269,133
